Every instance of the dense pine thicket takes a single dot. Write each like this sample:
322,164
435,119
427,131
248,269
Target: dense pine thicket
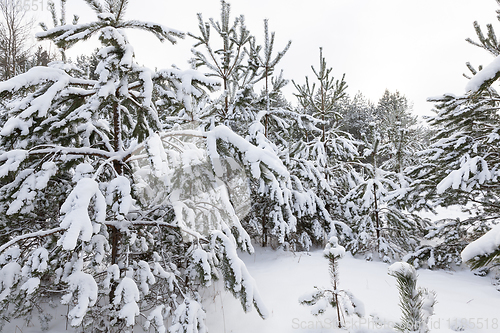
125,191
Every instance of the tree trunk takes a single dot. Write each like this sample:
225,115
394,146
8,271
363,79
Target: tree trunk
226,99
377,217
335,293
264,230
115,233
267,101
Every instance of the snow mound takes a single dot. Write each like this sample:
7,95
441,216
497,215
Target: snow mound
485,245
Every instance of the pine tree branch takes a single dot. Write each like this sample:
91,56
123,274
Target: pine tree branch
30,235
73,151
163,224
136,149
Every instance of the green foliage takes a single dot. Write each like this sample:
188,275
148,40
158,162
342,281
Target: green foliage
484,261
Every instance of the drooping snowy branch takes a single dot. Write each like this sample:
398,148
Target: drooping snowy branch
75,212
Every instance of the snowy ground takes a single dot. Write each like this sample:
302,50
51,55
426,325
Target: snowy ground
283,277
465,302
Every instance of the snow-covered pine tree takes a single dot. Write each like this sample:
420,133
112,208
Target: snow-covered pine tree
268,64
322,103
278,127
271,218
108,207
303,207
226,58
461,164
343,301
320,154
264,120
445,240
357,113
379,222
401,136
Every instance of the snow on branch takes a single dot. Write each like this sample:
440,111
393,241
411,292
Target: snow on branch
75,211
27,191
127,294
34,103
36,234
76,151
190,232
485,77
70,33
188,84
9,276
160,31
252,154
12,159
189,317
242,283
84,288
471,171
402,268
484,246
35,76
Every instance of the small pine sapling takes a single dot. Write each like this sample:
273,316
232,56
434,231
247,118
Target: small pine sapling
417,304
342,300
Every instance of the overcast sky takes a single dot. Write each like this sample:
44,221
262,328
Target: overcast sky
415,46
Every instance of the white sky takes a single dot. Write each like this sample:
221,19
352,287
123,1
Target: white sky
415,46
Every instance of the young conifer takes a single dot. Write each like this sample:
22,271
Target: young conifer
417,304
343,301
320,158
